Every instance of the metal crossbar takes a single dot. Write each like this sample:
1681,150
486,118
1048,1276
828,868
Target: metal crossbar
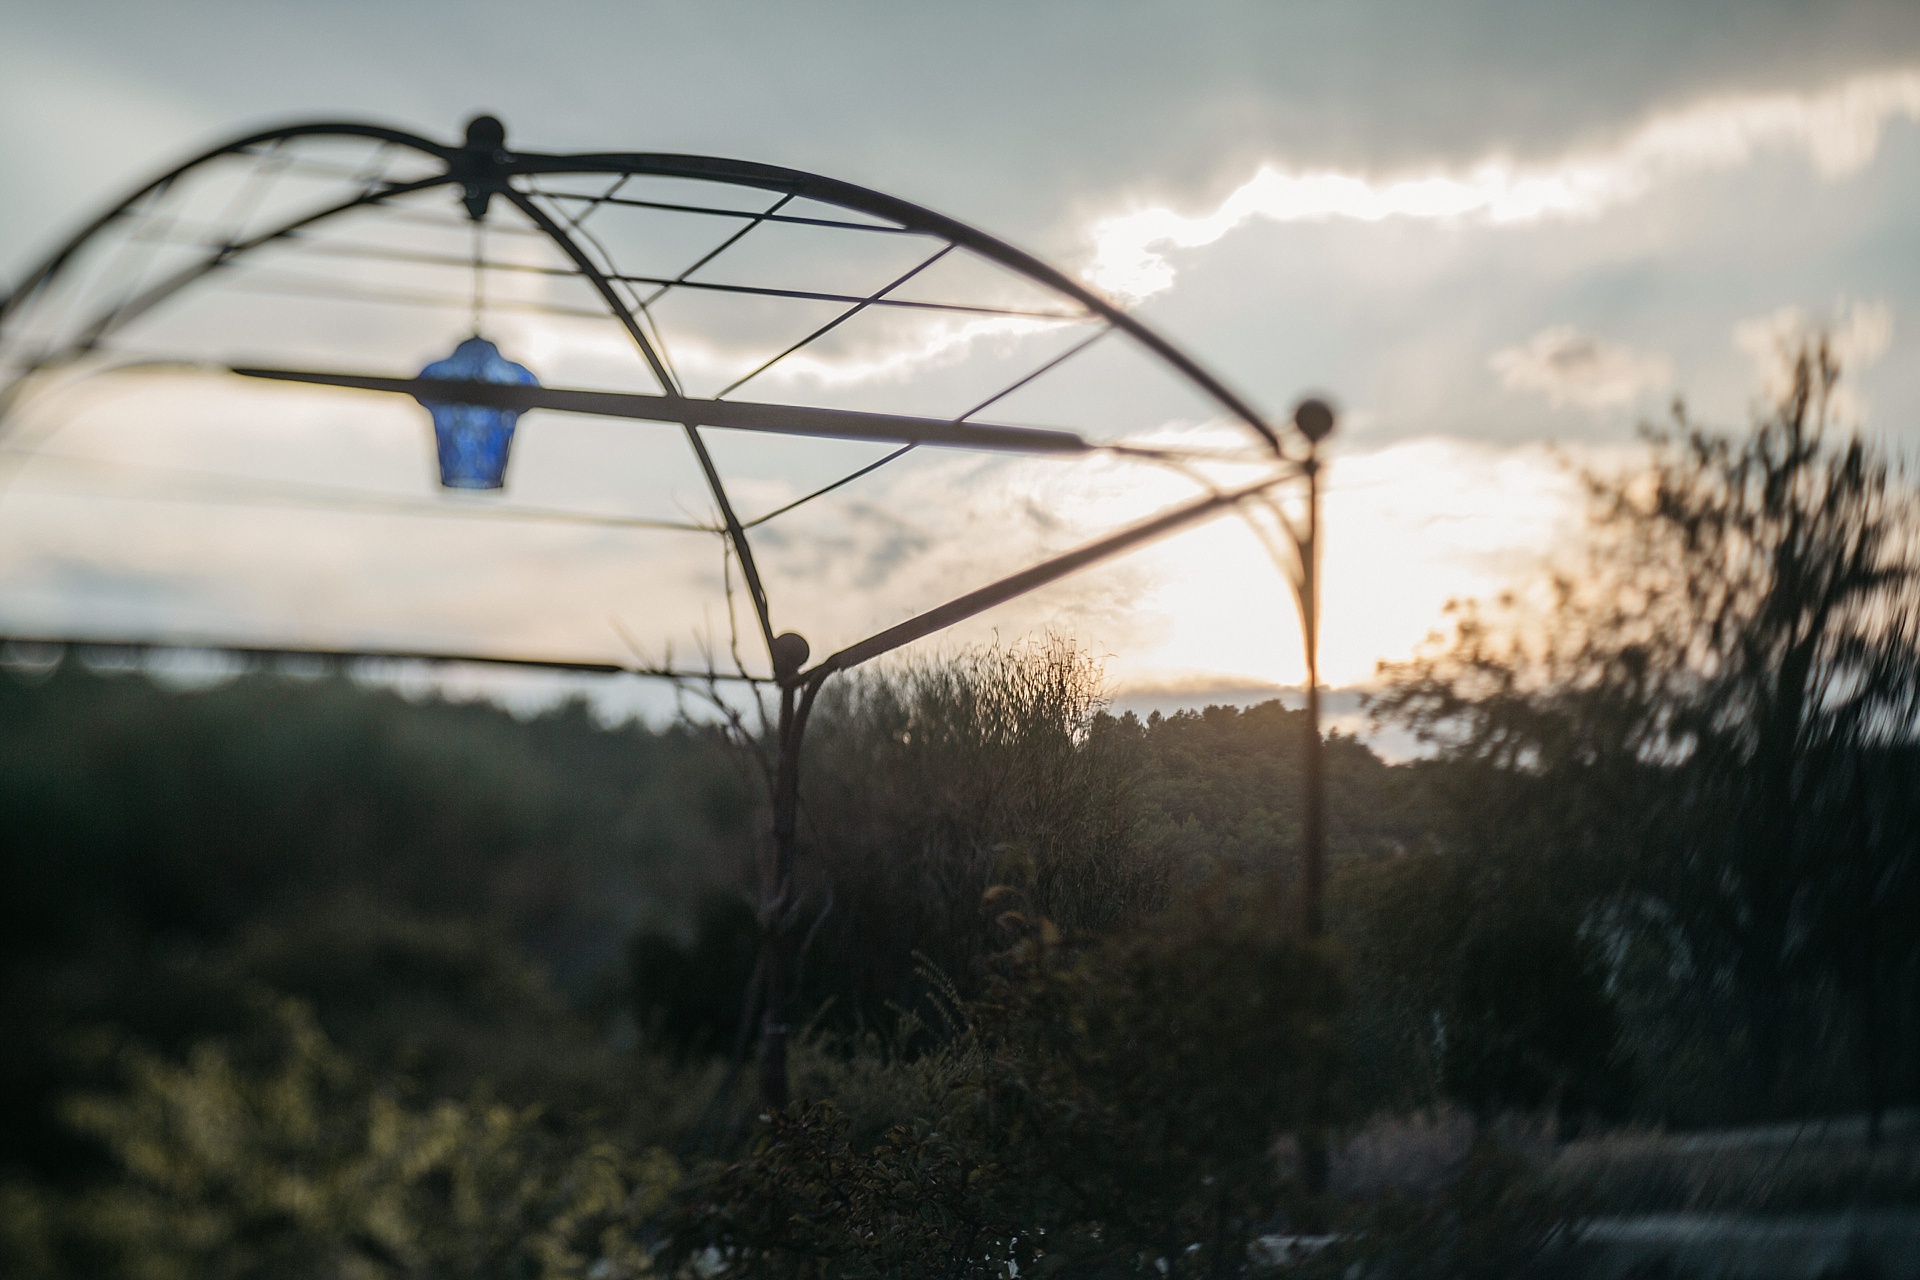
294,286
712,253
737,415
1044,369
435,657
824,490
834,323
795,219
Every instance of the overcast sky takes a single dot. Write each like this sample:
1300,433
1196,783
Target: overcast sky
1488,229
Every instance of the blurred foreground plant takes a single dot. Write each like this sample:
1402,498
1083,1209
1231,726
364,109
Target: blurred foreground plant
1117,1111
276,1157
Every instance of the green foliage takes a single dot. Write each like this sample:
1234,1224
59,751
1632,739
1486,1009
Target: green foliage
451,1008
1114,1109
445,1006
692,996
1669,834
1532,1027
275,1156
405,865
1219,790
1476,991
925,783
1702,744
1171,1055
128,807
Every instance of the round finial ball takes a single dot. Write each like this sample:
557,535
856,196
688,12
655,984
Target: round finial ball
486,133
790,653
1314,417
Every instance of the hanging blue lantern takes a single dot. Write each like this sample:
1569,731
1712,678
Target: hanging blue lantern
473,439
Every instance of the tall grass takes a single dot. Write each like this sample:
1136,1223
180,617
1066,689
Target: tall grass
927,782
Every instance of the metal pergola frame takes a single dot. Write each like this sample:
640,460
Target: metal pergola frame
482,170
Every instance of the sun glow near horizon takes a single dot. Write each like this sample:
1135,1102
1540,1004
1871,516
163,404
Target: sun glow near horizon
1406,529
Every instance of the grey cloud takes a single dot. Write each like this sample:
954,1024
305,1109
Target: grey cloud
1571,367
1023,117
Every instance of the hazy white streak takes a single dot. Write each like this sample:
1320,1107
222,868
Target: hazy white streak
1838,129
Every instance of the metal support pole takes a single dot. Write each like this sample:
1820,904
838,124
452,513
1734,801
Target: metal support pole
1315,420
1314,1160
1313,833
776,869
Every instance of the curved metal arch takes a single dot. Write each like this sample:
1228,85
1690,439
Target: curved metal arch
465,167
877,204
485,172
52,265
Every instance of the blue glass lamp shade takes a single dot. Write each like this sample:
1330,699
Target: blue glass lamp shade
473,439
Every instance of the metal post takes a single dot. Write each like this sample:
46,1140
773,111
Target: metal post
1313,834
1315,419
1314,1160
776,871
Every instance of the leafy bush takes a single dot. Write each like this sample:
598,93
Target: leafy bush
1477,991
1113,1109
275,1156
691,996
925,783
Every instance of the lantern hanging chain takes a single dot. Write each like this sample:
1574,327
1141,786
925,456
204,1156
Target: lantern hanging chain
479,273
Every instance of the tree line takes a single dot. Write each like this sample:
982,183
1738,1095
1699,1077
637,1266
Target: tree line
304,977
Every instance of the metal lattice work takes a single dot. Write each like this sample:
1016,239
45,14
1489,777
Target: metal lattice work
823,383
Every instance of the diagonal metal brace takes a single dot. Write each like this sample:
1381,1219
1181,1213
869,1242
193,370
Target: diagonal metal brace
1039,576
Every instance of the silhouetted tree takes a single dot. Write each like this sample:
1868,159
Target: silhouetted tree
1714,708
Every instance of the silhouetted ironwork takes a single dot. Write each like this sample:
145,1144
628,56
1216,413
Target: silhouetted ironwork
485,175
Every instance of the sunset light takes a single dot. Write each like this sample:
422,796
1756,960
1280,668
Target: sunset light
853,641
